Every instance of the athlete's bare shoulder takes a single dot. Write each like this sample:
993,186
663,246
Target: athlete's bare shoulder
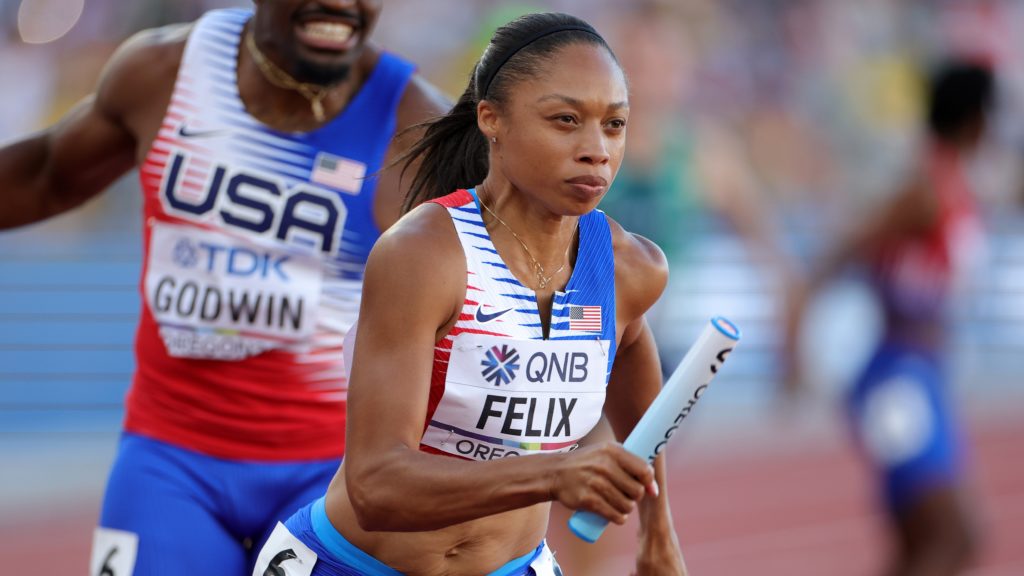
641,270
418,262
422,101
136,84
425,234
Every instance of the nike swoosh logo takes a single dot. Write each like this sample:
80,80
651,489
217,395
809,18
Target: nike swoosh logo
184,132
481,317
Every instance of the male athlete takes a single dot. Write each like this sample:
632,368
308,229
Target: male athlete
260,138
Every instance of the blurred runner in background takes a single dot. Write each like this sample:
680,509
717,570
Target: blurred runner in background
918,248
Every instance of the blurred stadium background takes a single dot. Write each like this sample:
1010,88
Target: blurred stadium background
755,124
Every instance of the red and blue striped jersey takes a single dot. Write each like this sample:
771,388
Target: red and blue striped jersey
498,387
255,246
916,275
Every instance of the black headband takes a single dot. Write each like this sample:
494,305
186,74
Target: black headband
531,40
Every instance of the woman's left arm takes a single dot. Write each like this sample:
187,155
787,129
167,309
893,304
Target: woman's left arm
641,276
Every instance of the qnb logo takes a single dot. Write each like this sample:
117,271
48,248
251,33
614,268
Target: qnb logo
256,203
500,364
274,568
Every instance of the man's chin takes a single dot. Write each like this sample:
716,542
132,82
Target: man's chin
322,73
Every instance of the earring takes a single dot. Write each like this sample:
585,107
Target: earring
494,139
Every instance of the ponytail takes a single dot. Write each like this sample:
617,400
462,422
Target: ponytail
452,153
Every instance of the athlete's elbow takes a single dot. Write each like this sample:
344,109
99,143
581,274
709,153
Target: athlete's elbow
373,500
371,511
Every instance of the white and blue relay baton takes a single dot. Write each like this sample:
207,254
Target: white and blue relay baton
672,405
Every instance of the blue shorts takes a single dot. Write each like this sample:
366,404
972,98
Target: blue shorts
170,511
316,548
905,424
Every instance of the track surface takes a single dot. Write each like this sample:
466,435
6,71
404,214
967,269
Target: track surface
758,506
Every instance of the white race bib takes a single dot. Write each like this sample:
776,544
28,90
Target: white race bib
508,397
222,297
113,552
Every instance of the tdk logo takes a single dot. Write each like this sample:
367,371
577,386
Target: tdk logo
500,364
230,260
256,203
185,254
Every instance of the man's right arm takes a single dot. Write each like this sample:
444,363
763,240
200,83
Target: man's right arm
61,167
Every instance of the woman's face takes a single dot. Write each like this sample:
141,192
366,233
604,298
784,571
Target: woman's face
561,135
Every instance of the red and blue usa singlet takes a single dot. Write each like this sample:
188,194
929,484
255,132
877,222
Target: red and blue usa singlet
916,276
255,246
498,388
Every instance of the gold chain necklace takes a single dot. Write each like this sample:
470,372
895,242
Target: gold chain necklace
542,278
315,94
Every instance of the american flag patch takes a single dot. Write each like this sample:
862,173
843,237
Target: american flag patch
585,318
337,172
